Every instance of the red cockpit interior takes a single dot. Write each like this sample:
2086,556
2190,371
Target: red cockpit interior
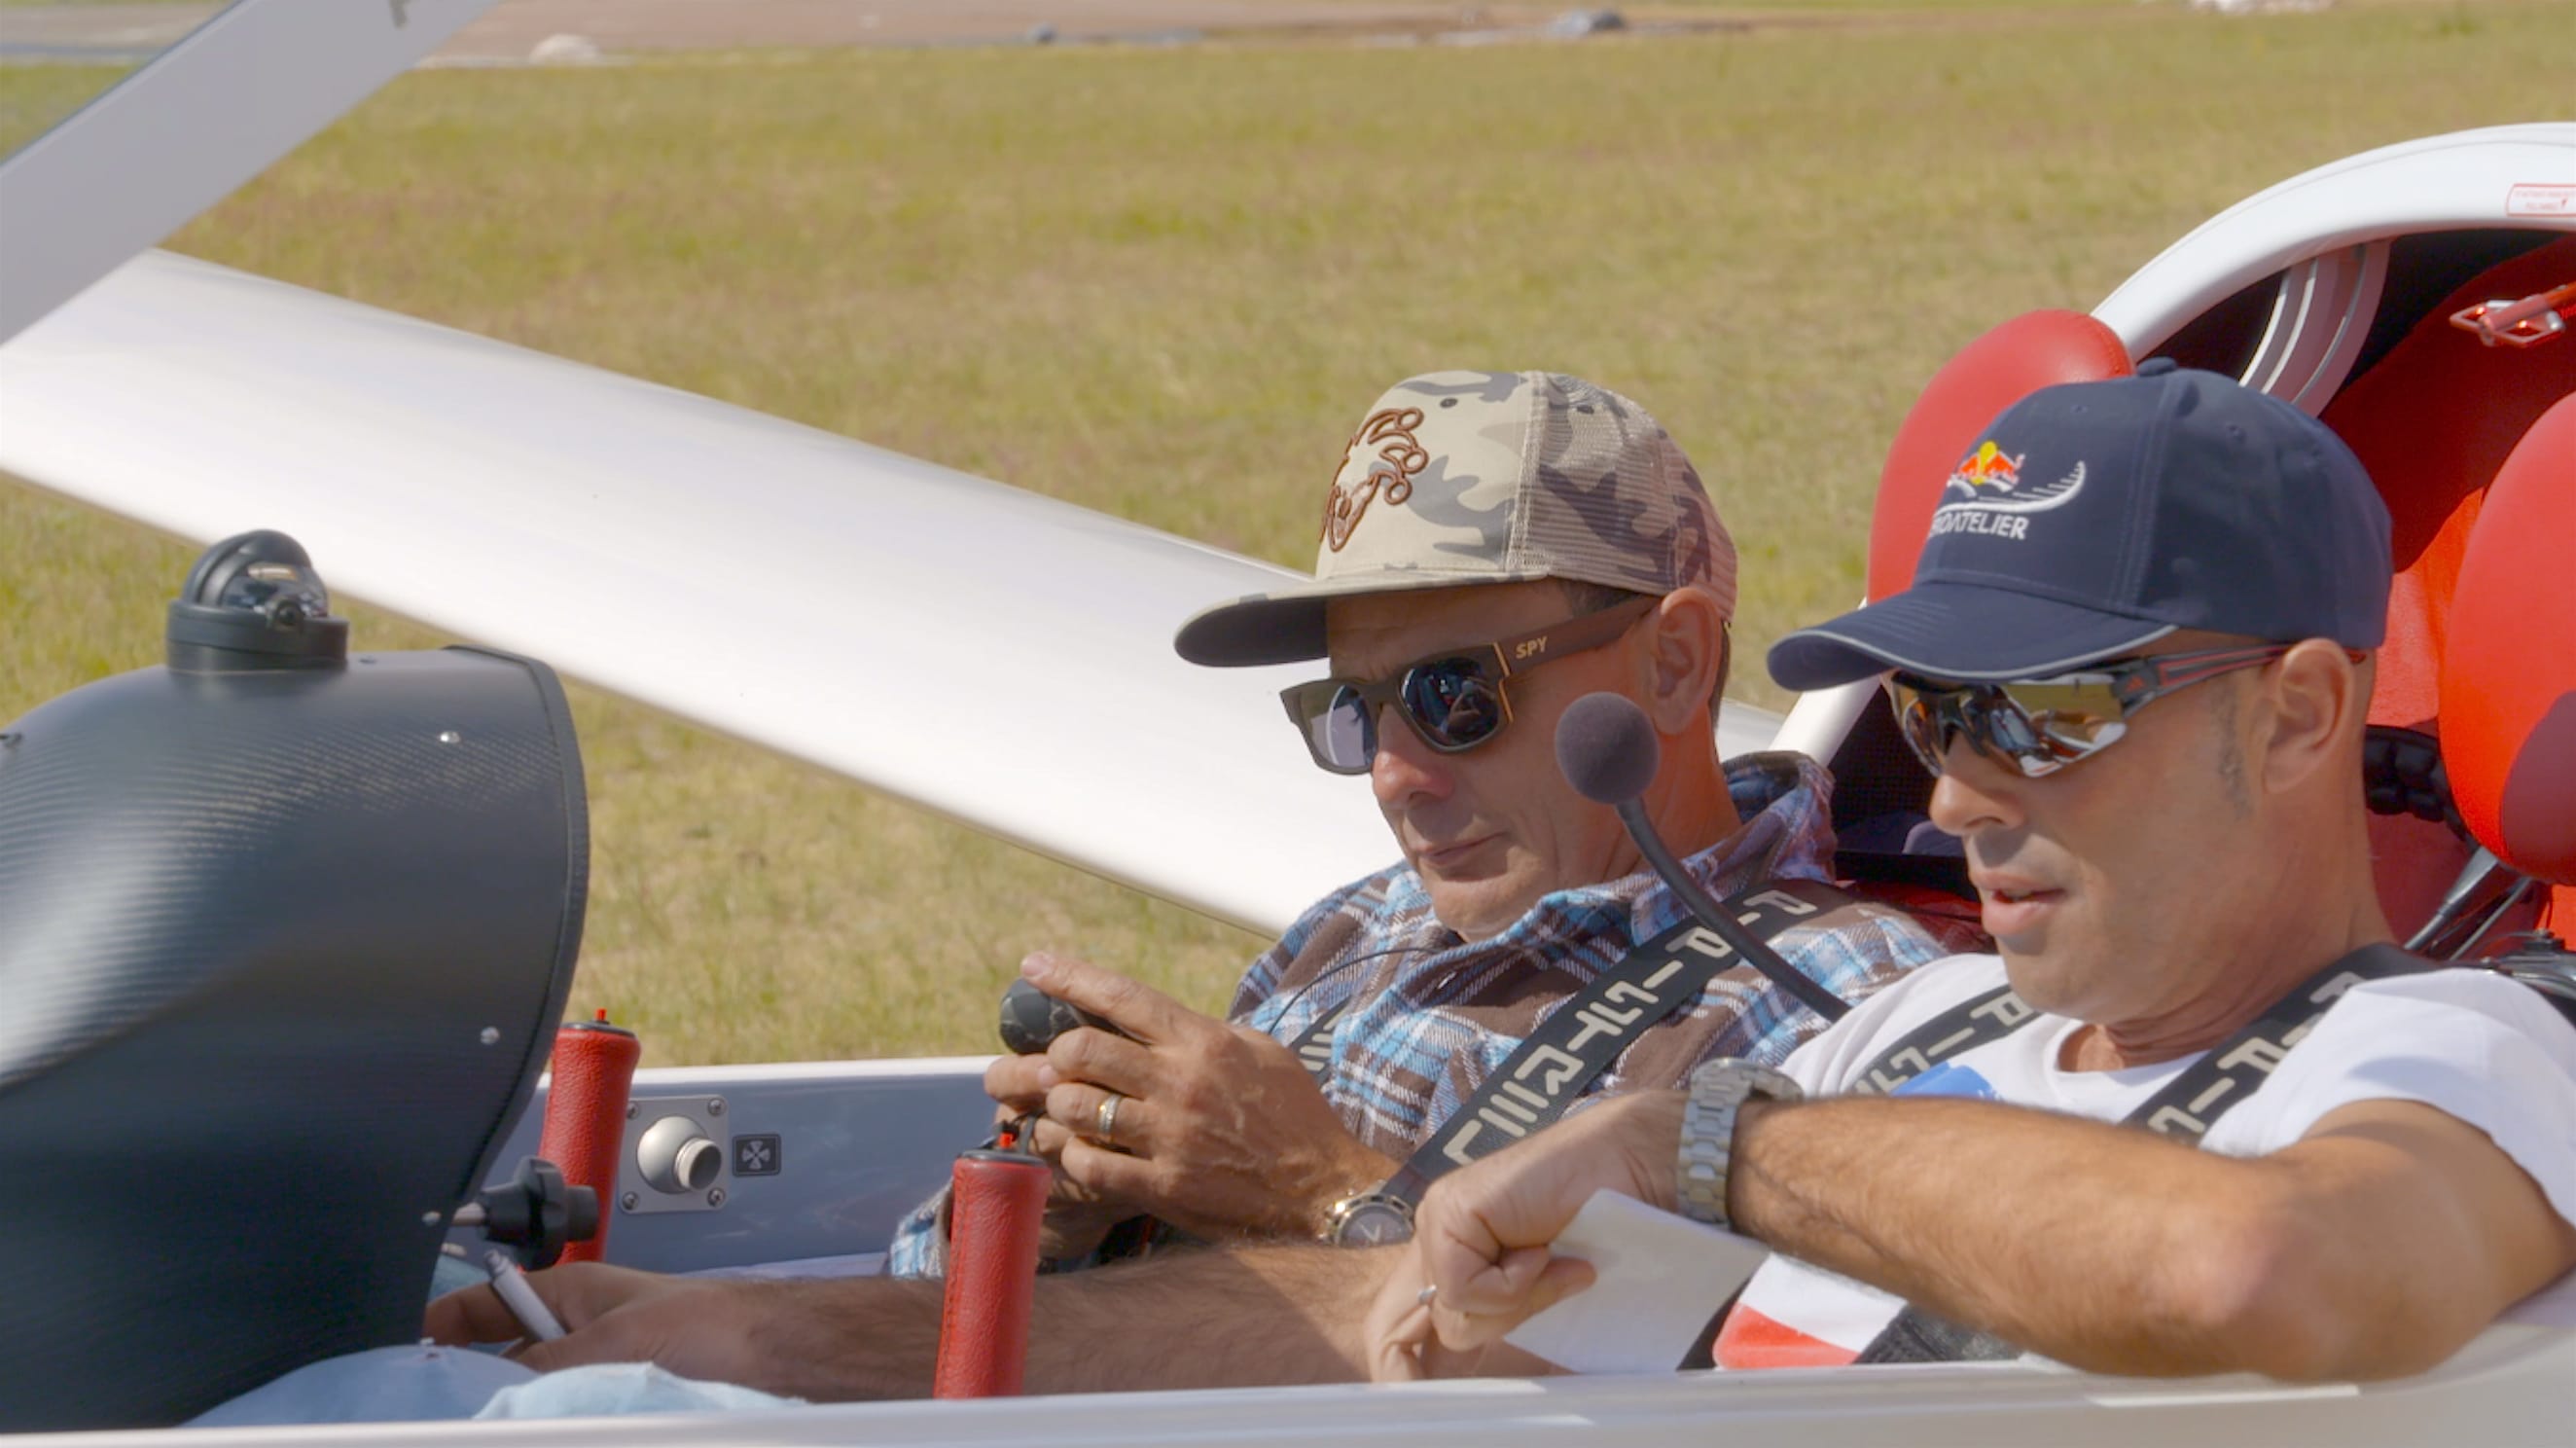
2480,659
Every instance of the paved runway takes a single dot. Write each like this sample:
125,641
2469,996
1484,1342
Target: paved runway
511,30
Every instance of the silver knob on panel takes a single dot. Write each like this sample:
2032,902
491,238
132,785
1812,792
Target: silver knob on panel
675,1154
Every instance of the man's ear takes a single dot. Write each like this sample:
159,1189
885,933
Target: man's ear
1686,652
2318,696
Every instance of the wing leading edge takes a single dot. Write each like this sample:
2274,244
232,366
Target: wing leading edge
994,656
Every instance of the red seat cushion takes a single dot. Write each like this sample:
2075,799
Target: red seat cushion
2508,688
2433,422
2007,364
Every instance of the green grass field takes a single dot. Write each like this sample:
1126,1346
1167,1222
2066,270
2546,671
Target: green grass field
1164,282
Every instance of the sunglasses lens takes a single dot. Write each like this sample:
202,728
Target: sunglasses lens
2069,719
1453,703
1919,723
2037,728
1341,732
1336,723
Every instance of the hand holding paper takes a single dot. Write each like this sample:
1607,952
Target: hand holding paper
1484,1236
1657,1280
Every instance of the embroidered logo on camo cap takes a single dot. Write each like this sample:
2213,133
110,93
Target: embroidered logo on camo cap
1399,456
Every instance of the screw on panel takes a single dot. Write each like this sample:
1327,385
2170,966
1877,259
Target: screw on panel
628,1201
491,1036
630,1110
448,736
716,1107
715,1197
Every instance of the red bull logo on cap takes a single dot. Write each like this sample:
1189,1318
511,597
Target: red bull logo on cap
1985,494
1988,467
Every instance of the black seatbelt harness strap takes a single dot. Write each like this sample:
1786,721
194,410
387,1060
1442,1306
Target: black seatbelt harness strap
1315,1048
1572,1047
2185,1110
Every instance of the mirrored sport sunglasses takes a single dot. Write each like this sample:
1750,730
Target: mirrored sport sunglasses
2040,726
1454,699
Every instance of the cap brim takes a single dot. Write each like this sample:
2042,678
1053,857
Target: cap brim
1957,631
1286,625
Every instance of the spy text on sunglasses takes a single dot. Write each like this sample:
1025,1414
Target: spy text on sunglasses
1453,699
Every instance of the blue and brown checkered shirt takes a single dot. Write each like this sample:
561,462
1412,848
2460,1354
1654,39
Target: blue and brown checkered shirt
1420,1016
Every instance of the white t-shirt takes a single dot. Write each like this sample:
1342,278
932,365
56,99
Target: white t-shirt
2473,1045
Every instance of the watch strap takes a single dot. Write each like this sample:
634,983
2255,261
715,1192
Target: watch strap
1717,1091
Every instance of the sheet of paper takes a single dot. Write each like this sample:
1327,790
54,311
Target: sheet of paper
1660,1279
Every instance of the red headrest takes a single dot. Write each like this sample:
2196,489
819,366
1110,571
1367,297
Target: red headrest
2508,720
2032,351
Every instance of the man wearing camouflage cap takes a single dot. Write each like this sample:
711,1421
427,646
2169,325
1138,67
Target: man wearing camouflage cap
1493,547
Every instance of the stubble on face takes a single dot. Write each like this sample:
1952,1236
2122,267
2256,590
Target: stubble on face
2152,841
1492,829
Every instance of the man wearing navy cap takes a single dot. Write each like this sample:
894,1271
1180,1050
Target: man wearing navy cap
2136,657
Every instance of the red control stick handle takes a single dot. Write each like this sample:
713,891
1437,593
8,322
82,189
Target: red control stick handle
586,1116
994,1213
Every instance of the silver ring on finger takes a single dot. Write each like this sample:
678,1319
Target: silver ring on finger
1423,1298
1104,1119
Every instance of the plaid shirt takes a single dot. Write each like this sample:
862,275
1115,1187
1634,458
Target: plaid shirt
1420,1017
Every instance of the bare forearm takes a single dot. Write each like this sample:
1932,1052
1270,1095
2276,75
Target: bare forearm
2096,1245
1243,1317
862,1337
1248,1317
2374,1246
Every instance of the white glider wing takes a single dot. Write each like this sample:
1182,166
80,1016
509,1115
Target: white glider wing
995,656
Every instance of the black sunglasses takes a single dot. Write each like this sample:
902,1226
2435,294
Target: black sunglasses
1454,699
2040,726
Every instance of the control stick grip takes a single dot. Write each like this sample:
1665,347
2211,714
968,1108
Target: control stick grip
995,1211
1032,1019
585,1130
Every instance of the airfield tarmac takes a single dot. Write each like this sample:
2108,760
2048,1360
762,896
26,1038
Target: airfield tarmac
512,30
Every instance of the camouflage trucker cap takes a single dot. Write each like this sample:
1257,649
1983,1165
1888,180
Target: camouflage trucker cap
1457,478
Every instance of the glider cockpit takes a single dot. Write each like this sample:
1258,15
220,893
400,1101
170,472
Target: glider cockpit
271,1072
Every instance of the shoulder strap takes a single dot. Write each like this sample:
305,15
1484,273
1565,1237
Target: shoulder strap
1315,1047
1572,1047
2210,1087
2185,1110
1964,1027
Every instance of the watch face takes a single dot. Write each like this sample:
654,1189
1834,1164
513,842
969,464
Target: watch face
1374,1224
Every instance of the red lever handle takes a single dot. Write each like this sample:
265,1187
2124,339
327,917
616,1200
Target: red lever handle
586,1116
994,1213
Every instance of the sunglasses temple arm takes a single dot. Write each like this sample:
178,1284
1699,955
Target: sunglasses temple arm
1709,913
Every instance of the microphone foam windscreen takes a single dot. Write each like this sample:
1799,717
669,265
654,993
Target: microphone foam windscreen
1607,748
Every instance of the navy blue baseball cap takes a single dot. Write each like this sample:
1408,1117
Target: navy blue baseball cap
2097,517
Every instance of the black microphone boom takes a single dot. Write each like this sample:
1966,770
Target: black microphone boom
1606,748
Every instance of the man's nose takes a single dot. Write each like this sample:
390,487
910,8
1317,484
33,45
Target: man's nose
1406,770
1974,792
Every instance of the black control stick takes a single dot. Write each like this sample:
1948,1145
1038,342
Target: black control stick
535,1213
1032,1019
1607,749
